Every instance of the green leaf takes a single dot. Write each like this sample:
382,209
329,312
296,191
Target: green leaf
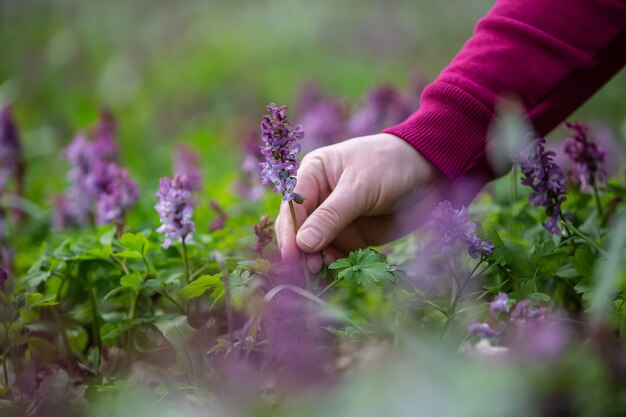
132,280
365,267
135,242
501,254
36,300
201,285
177,331
583,261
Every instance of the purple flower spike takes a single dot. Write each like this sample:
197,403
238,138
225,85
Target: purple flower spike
280,148
104,136
482,330
546,180
453,225
500,303
588,157
118,197
175,209
11,159
187,163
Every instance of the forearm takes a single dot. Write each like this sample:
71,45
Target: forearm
551,55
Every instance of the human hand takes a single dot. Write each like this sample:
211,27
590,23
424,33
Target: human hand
360,192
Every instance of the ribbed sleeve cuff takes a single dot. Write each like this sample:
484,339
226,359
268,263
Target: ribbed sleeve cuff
450,130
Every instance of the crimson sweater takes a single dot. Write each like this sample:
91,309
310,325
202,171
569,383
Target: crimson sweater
550,54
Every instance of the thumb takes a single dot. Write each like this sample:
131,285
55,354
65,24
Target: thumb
339,209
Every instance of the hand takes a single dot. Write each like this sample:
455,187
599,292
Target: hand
360,192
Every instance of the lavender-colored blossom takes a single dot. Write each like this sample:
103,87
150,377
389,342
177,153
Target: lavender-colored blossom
248,187
175,209
588,157
453,225
326,123
119,195
384,106
482,330
500,303
220,220
11,160
546,180
264,232
65,213
187,163
104,136
280,148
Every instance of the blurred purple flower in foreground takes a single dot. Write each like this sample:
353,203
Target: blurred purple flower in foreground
529,333
187,163
588,157
280,148
546,180
384,106
118,196
482,330
175,209
500,303
453,225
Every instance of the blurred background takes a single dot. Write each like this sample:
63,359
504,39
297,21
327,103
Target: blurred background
201,72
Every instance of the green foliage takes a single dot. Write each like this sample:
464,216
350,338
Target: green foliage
365,267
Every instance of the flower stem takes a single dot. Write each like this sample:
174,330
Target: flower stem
185,260
596,195
296,227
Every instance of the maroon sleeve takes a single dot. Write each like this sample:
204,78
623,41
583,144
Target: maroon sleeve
550,54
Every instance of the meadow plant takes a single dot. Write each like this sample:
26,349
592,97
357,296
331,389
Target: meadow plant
546,180
175,209
452,226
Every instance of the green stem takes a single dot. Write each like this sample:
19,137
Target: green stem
185,260
296,227
596,195
167,297
96,327
229,306
573,229
328,287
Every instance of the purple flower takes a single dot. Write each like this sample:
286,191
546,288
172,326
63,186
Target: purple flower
64,214
117,198
325,123
453,225
546,180
500,303
248,186
482,330
588,157
263,231
187,164
104,137
11,158
175,209
384,106
220,221
4,276
280,148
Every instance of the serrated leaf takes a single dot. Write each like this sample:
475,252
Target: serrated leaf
501,254
365,267
201,285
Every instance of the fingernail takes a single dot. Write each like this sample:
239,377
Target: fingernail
310,237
